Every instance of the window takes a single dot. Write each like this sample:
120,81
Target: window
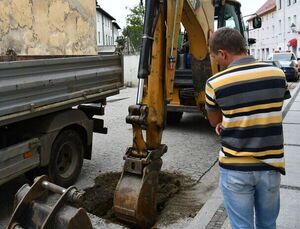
279,4
230,18
288,2
295,19
99,37
279,27
294,1
289,22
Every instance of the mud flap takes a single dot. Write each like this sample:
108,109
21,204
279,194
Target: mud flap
135,195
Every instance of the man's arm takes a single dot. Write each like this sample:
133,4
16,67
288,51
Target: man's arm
214,117
214,113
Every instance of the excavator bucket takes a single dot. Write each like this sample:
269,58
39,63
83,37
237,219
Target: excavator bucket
135,195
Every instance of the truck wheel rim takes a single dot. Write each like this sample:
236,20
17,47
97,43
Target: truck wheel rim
66,160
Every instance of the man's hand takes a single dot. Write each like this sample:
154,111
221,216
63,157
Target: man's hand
214,117
219,128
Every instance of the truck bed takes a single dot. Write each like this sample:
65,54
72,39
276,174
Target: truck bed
36,87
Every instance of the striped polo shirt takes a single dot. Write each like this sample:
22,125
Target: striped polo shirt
250,96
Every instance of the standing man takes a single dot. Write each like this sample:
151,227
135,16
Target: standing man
244,103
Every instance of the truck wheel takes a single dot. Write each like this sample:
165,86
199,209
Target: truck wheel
66,158
174,117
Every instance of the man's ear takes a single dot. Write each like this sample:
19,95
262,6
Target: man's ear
223,54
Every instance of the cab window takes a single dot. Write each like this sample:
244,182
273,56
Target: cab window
227,16
231,19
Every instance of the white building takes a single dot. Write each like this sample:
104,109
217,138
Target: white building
107,30
280,28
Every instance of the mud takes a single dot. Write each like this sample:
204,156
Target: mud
98,199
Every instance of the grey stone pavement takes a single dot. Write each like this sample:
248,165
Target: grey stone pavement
213,215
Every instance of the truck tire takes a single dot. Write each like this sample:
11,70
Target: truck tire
66,158
174,117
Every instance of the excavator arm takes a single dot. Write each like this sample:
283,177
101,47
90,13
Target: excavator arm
135,195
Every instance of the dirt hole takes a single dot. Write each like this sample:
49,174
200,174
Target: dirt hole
98,200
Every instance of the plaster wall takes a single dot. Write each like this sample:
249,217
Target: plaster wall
48,27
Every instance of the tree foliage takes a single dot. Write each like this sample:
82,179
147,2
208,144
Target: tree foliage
134,26
121,42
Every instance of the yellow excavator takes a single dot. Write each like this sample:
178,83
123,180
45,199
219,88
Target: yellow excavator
135,195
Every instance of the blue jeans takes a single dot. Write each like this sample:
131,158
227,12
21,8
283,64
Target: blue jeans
251,196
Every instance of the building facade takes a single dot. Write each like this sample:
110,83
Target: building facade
280,29
107,30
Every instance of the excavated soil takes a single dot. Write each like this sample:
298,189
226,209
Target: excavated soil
98,200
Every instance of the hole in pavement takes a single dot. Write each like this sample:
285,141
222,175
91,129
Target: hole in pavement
98,199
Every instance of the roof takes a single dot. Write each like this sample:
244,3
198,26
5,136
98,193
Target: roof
267,7
116,24
99,9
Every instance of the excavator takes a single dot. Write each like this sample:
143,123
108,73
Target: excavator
135,194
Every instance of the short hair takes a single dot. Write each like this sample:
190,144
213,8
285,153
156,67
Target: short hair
227,39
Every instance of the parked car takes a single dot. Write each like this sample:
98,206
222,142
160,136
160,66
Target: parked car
288,62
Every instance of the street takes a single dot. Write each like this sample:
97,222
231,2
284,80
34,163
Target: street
192,152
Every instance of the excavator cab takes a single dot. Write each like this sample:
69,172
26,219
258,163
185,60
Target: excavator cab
229,15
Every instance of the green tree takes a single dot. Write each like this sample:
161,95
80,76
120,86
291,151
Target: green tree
134,26
121,42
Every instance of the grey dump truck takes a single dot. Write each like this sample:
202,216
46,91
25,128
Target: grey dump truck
49,109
